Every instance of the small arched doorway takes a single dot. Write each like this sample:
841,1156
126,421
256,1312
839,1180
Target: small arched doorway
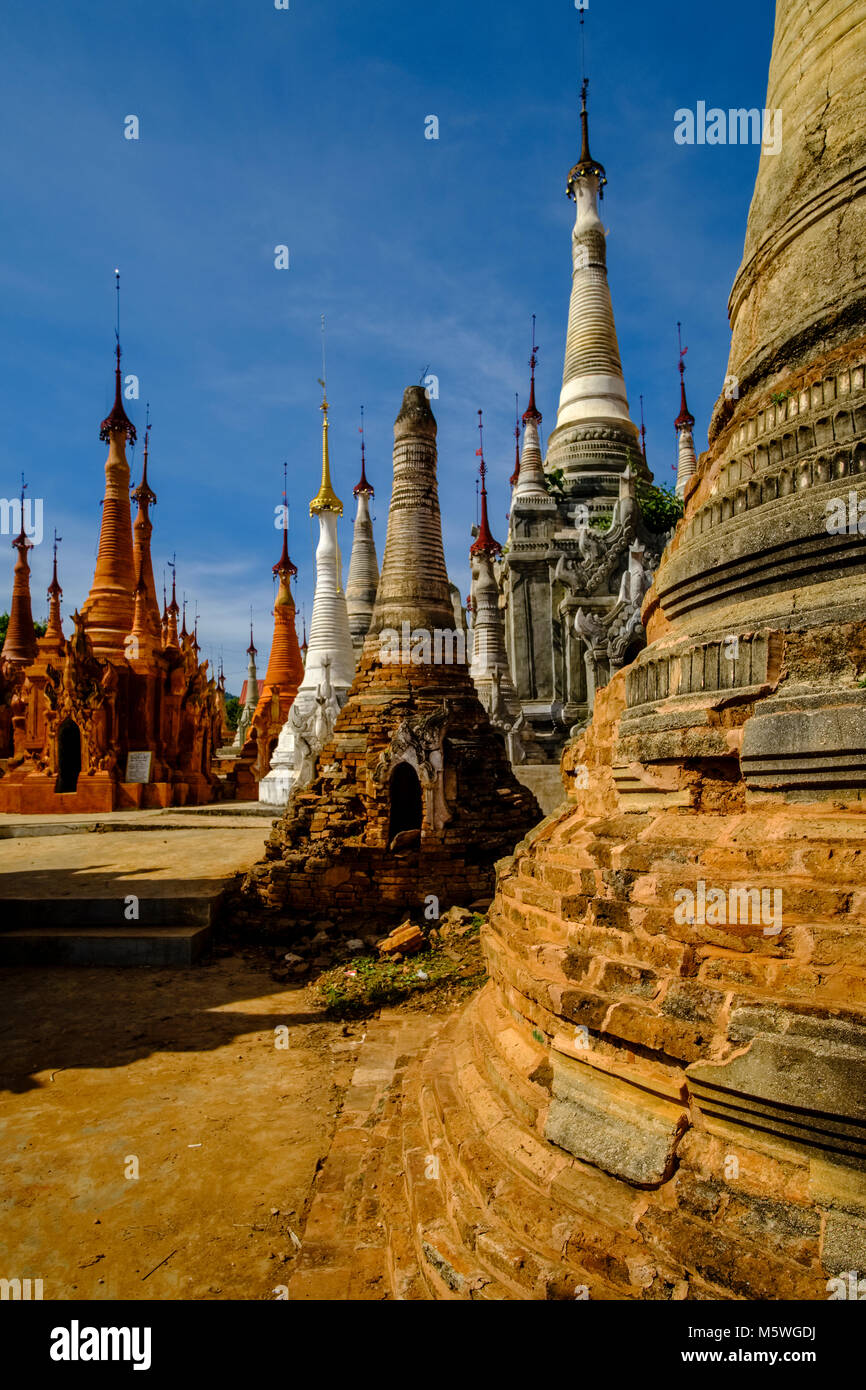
68,756
406,801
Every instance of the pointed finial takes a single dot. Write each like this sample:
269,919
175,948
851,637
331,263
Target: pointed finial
532,412
484,543
284,567
515,477
642,431
172,564
323,378
54,588
251,649
685,419
144,494
363,485
586,167
22,541
117,420
326,499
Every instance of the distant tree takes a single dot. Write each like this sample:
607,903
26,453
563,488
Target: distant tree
4,624
233,711
660,507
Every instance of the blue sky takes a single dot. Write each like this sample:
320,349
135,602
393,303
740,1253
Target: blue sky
305,127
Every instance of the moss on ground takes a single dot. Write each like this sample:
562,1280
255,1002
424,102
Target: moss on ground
444,972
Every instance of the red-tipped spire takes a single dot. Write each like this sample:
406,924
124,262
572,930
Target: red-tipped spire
285,668
284,566
484,544
515,477
363,485
532,412
117,418
685,420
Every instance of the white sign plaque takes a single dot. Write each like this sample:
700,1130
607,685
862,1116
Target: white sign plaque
138,766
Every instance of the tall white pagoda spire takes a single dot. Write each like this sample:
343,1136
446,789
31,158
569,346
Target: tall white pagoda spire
594,432
329,627
330,663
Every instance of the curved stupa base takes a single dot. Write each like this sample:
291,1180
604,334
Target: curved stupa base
640,1108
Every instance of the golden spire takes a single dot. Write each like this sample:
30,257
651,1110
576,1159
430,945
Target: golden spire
326,499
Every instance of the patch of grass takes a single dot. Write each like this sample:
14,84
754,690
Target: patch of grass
367,983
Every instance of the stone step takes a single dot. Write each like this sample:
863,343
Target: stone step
188,910
116,946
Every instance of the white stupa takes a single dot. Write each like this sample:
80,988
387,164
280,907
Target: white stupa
330,666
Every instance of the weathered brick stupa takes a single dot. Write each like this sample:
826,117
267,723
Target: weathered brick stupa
413,794
660,1094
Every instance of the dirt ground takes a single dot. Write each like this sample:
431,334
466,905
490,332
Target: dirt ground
175,1075
162,860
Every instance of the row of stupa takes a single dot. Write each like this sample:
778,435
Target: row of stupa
556,612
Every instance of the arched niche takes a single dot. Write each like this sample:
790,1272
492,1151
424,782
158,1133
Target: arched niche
406,810
68,756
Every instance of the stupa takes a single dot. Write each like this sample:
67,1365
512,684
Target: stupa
569,539
684,425
661,1093
363,577
284,673
329,660
489,668
413,794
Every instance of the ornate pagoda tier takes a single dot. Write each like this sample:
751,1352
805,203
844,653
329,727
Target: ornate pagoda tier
413,793
661,1093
